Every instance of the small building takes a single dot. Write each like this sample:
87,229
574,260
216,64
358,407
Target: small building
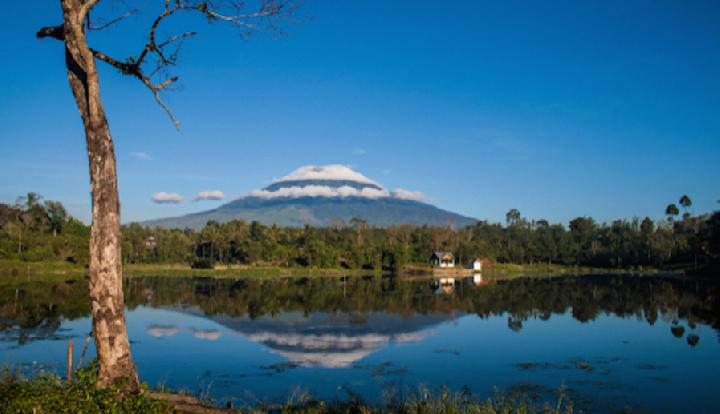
478,264
443,260
150,242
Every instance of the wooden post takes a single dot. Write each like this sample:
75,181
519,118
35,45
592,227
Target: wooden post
68,374
82,354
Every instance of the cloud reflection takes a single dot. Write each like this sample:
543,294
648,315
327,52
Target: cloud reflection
161,331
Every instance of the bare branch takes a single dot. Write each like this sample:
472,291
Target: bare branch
125,68
105,25
89,4
154,60
56,32
167,109
134,70
176,37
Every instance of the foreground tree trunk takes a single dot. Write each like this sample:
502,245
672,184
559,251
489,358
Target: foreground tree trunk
106,294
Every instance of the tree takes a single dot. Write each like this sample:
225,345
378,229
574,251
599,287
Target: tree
671,211
150,66
57,215
686,203
512,216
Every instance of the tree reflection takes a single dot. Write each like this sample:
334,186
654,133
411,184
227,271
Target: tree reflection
36,309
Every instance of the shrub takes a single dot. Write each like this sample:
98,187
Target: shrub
46,393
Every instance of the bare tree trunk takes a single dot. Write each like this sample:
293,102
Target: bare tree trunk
106,294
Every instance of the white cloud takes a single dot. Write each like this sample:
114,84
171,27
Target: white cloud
210,195
141,155
167,198
403,194
335,172
321,191
327,172
359,151
161,331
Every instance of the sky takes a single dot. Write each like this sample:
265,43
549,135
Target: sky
560,109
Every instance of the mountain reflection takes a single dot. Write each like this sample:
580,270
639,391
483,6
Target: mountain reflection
329,340
333,322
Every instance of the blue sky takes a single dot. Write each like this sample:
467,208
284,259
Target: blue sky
557,108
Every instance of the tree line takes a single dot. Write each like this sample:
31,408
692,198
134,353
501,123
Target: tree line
37,230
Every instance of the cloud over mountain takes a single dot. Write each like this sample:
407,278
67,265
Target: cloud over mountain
333,180
403,194
167,198
326,172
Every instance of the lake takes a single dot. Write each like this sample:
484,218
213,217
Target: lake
644,342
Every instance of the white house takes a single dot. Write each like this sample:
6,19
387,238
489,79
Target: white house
443,260
476,264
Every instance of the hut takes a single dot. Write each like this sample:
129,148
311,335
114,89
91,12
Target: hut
443,260
478,264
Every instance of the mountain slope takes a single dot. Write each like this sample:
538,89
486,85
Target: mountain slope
320,211
320,196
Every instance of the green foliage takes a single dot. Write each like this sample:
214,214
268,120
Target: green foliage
45,393
32,231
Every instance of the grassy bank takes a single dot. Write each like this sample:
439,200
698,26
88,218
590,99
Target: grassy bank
20,270
16,270
46,393
510,269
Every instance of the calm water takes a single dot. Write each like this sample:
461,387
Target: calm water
614,341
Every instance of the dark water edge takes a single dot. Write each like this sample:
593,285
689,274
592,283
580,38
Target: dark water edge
649,343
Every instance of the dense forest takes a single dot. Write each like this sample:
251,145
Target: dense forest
37,230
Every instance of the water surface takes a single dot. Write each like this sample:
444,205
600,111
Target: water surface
613,341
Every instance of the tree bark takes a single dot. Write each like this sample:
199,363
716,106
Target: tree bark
115,364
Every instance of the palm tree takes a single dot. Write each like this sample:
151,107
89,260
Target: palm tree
671,211
685,202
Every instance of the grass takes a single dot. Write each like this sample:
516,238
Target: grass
511,269
46,393
426,401
18,271
220,271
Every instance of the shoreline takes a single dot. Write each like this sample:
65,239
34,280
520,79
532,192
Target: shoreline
18,271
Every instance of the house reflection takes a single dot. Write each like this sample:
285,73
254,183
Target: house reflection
447,285
477,280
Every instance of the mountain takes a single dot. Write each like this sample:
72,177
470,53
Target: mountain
321,196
